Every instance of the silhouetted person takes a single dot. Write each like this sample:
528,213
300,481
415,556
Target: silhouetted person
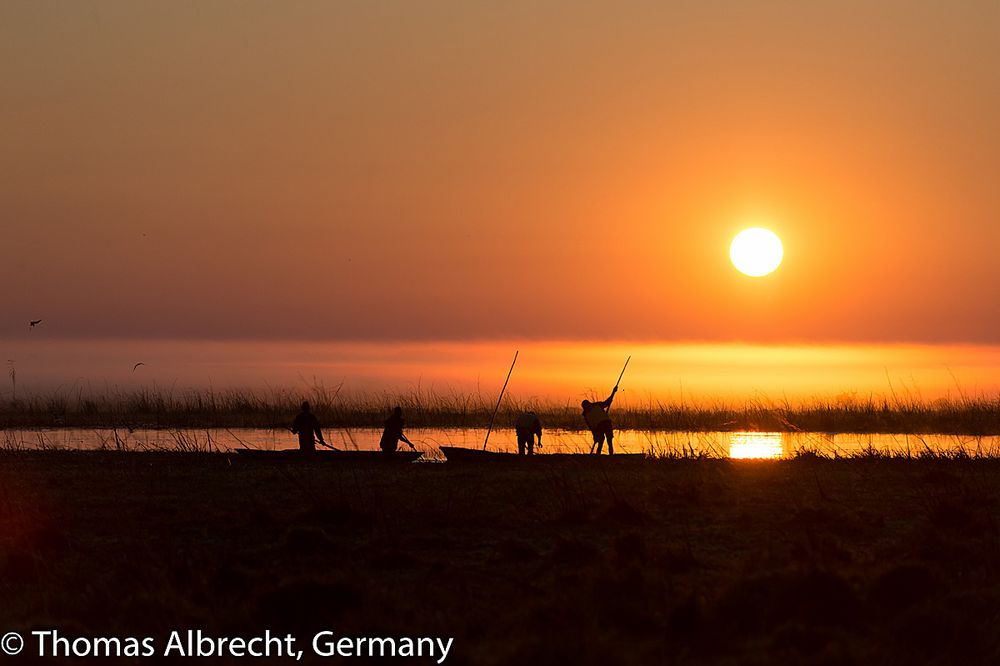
392,435
596,416
528,426
306,426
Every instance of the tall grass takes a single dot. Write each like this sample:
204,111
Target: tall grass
274,408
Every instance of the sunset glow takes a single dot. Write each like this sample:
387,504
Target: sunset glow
346,171
755,445
391,184
552,332
557,371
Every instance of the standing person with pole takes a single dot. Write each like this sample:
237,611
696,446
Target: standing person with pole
392,434
306,426
598,420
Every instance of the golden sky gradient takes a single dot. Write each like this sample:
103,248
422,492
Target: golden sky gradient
559,371
575,171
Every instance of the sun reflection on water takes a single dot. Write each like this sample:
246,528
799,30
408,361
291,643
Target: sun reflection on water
755,445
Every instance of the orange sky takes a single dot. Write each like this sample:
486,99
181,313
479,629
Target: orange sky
541,170
558,371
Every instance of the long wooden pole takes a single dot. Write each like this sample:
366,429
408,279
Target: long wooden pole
497,408
623,372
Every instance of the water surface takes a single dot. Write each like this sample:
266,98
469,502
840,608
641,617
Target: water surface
658,443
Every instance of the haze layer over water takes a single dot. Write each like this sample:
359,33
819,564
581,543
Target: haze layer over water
548,370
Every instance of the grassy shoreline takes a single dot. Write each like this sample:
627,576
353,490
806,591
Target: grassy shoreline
803,561
153,408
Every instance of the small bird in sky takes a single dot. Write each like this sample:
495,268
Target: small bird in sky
33,323
134,367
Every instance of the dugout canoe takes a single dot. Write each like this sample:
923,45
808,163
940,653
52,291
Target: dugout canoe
463,455
295,455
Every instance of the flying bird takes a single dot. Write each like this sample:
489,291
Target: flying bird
137,365
33,323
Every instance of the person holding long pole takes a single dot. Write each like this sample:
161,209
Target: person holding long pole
392,434
306,426
598,420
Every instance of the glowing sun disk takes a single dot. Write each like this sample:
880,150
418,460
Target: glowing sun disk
756,252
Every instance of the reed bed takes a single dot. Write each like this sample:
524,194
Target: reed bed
274,408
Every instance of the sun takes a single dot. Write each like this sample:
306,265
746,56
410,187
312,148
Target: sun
756,252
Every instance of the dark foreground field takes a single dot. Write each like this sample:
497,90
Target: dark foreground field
864,561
